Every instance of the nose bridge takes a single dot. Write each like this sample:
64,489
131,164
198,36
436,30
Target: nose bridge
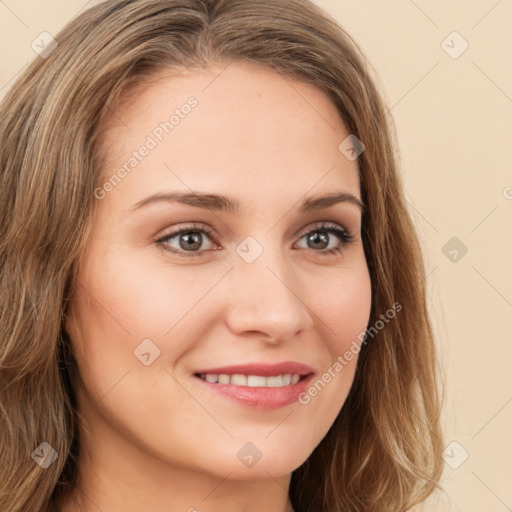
264,295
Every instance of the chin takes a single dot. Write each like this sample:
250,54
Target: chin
274,462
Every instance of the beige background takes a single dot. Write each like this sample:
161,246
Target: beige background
453,118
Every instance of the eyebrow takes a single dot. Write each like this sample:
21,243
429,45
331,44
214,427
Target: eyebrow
217,202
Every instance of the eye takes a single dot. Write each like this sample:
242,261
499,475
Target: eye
320,236
189,240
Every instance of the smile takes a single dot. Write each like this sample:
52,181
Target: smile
257,385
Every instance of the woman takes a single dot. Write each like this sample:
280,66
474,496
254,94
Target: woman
173,338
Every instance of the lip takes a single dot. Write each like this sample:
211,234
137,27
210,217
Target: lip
260,397
262,369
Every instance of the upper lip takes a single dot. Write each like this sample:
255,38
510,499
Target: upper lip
263,369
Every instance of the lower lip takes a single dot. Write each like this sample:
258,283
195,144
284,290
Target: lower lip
260,397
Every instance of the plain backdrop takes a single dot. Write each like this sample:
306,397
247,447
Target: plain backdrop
446,68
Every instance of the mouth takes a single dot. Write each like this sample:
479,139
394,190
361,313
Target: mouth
258,385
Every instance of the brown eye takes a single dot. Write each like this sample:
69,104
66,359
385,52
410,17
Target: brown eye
320,237
189,239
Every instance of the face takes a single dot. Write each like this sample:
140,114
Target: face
201,324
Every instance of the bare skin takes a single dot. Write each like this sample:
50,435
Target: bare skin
154,436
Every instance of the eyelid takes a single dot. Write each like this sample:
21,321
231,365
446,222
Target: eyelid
188,226
193,226
323,224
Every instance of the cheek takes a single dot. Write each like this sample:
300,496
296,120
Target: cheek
344,311
120,304
150,299
344,306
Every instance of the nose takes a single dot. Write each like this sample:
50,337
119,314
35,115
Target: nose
266,301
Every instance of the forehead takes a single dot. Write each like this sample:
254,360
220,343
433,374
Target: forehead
247,124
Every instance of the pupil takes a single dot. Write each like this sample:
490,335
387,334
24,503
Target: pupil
193,239
317,237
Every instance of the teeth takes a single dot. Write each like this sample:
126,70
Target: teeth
239,380
253,381
224,379
275,382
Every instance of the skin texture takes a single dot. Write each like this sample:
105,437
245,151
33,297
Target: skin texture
153,437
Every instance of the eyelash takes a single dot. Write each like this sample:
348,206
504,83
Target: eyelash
333,229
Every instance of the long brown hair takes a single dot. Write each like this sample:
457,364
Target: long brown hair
383,452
